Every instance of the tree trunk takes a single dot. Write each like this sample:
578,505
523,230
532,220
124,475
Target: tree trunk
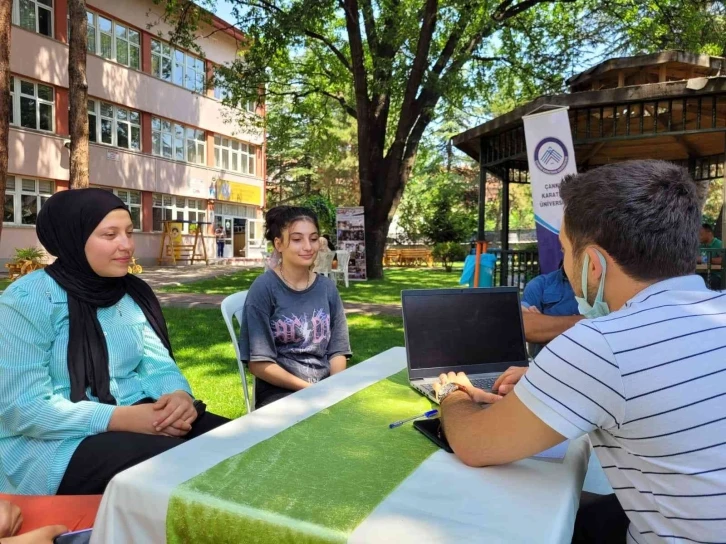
5,105
376,234
78,94
380,201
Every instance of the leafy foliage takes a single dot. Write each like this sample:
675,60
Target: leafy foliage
310,151
448,253
33,254
443,222
637,26
393,67
325,211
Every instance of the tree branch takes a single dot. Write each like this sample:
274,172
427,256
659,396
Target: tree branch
428,25
357,54
370,26
507,11
348,109
337,52
268,6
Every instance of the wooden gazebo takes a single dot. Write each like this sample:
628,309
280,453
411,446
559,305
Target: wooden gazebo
669,106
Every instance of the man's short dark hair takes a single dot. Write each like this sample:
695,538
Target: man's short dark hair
707,227
645,214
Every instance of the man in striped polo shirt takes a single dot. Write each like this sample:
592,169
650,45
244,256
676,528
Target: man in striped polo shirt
646,380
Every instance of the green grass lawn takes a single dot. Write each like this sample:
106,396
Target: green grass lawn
205,355
386,291
4,284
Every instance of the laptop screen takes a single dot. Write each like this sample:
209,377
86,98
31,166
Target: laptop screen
463,327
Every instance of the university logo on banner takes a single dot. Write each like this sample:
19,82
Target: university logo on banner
551,156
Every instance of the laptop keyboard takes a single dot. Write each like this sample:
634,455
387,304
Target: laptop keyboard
484,383
481,383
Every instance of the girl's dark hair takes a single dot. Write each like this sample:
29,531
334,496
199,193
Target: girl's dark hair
279,218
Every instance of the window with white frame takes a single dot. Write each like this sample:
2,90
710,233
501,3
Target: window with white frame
178,142
176,66
113,40
176,208
114,125
132,199
161,60
233,155
23,199
33,104
34,15
221,92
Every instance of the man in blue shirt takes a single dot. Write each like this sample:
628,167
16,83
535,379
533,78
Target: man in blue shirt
549,308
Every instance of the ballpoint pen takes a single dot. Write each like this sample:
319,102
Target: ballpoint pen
430,413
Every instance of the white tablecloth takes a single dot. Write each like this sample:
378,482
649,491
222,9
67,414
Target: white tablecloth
442,501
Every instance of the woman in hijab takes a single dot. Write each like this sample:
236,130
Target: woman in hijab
89,385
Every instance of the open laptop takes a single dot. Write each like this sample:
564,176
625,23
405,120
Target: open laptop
477,331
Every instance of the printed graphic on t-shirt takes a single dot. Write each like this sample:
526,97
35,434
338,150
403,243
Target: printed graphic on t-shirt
299,333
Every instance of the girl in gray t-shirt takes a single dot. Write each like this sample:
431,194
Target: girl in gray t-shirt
294,331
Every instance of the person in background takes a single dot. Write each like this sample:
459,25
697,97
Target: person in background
549,308
709,241
294,331
643,376
321,257
89,384
219,235
331,246
26,519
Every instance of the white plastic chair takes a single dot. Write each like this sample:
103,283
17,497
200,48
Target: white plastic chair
342,270
232,306
324,263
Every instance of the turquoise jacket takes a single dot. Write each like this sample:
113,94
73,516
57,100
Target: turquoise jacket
40,428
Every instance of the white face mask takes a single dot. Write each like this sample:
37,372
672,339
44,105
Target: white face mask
599,307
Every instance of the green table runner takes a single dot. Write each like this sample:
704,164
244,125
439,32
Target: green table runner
313,482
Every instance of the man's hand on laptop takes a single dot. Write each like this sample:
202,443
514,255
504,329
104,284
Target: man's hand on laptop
509,378
476,394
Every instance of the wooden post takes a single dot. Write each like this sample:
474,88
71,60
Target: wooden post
161,247
662,74
480,233
204,245
621,78
504,269
196,239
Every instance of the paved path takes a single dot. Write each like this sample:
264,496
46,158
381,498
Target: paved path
158,277
164,276
199,301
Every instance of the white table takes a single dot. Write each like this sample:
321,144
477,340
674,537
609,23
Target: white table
442,501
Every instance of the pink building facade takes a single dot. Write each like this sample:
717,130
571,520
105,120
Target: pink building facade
161,138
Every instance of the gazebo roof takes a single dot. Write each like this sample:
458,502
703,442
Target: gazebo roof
683,66
690,86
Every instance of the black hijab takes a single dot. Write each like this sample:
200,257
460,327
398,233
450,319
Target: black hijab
64,224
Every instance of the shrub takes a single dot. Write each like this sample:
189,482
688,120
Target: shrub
448,253
32,254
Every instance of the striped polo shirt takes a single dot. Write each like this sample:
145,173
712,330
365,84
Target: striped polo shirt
648,383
